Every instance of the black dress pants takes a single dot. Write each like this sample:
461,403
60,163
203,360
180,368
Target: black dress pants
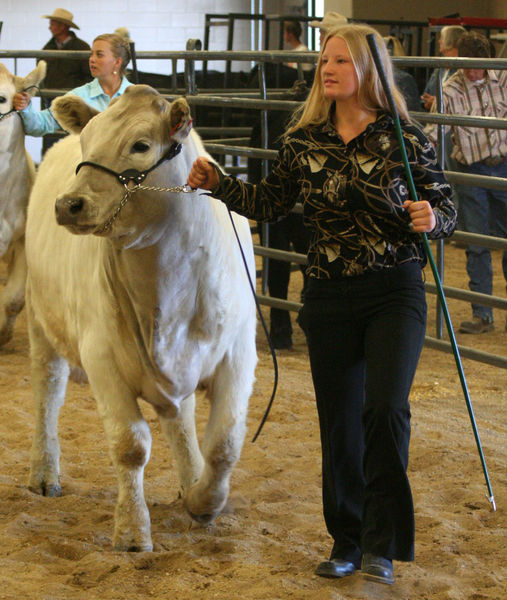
365,336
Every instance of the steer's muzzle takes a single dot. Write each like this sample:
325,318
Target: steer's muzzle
70,210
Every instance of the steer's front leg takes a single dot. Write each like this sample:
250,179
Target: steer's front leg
129,442
222,441
49,374
130,451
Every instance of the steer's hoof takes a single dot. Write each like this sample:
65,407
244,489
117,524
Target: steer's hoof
134,548
204,519
130,541
5,335
51,491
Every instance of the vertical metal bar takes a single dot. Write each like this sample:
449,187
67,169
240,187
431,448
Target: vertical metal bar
190,84
230,42
264,170
174,74
207,24
266,34
135,74
441,150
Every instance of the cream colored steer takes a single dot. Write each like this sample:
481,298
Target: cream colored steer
16,179
148,293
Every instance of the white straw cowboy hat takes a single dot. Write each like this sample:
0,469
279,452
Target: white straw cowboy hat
331,19
62,15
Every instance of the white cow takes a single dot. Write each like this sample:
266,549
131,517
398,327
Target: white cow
147,293
16,179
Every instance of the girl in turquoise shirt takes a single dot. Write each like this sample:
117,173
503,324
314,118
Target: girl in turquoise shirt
108,61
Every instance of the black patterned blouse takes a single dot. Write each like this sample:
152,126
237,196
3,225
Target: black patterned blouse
352,195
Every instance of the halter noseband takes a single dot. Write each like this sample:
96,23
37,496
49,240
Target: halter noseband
13,110
133,174
9,114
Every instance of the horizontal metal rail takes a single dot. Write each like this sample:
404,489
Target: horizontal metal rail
446,119
205,100
265,56
476,239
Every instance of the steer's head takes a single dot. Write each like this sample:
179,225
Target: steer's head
136,131
11,84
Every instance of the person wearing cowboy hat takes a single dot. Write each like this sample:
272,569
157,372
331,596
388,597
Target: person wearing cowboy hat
329,21
65,73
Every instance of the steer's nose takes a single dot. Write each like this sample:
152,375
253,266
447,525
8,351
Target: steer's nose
68,208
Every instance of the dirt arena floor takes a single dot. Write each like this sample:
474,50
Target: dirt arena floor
271,536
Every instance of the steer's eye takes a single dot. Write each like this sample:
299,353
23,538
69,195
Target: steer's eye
140,147
3,99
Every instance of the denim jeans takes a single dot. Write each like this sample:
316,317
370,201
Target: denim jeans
365,335
482,211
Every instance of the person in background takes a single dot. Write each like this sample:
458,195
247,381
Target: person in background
478,151
108,61
292,37
364,311
124,33
404,81
63,73
329,21
448,46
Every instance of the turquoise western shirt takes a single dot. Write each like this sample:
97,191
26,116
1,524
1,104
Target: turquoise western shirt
39,123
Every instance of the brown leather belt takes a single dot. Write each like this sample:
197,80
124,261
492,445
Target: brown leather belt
493,161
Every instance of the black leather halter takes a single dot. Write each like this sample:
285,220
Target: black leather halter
133,174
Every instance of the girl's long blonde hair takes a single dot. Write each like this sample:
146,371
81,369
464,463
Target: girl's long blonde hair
371,95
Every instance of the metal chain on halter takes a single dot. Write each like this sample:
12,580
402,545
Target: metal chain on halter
13,111
8,114
186,189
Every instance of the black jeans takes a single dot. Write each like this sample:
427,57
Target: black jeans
365,336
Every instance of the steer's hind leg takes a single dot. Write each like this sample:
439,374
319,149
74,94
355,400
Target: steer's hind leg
129,441
49,373
222,443
181,435
12,298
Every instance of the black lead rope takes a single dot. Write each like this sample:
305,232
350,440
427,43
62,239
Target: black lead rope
133,174
273,353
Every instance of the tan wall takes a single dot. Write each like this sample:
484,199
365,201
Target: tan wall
416,10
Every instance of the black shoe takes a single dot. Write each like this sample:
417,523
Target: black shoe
335,568
281,341
377,568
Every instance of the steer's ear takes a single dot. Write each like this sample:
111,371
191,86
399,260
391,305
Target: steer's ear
72,113
181,121
30,83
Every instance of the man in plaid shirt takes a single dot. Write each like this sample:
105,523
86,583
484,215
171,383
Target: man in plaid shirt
478,92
